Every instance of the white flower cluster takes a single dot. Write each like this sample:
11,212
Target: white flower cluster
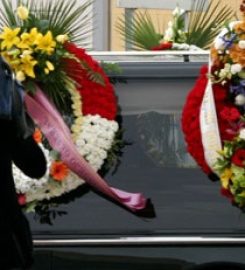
93,143
175,31
227,72
96,139
26,184
185,47
169,33
178,11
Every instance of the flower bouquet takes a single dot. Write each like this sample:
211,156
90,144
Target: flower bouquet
214,115
67,94
193,30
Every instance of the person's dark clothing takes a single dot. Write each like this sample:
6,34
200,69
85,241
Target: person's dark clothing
15,235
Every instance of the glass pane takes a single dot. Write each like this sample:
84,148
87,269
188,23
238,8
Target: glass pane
155,163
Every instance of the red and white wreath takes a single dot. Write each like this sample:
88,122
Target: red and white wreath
93,130
213,119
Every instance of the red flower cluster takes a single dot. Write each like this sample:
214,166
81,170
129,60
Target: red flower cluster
163,46
96,98
230,114
190,121
238,157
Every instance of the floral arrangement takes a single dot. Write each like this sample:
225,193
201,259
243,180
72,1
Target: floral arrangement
67,94
192,30
226,75
175,36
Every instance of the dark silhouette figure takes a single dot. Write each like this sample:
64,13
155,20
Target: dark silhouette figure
18,146
15,235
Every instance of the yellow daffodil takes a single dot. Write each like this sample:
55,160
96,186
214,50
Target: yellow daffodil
226,177
28,39
11,60
49,67
22,12
9,37
20,76
27,65
46,43
62,38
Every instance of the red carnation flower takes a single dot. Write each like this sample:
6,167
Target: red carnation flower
97,98
163,46
238,157
220,93
230,114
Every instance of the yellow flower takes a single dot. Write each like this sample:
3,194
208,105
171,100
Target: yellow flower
20,76
27,65
62,38
49,67
9,37
27,52
226,177
12,61
28,39
46,43
22,12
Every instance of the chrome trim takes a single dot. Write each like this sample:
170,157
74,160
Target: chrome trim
150,56
147,53
142,241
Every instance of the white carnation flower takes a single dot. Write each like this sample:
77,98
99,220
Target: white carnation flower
236,68
241,44
219,43
242,134
240,100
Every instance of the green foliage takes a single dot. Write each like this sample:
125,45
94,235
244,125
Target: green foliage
205,21
111,68
61,17
179,29
140,33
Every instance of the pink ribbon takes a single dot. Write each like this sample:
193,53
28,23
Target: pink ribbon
57,133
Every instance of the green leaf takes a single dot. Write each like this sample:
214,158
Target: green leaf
140,32
61,17
205,21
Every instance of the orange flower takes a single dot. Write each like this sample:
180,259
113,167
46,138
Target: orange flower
215,56
240,27
37,135
237,54
59,170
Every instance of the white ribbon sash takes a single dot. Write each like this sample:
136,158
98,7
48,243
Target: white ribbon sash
209,127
